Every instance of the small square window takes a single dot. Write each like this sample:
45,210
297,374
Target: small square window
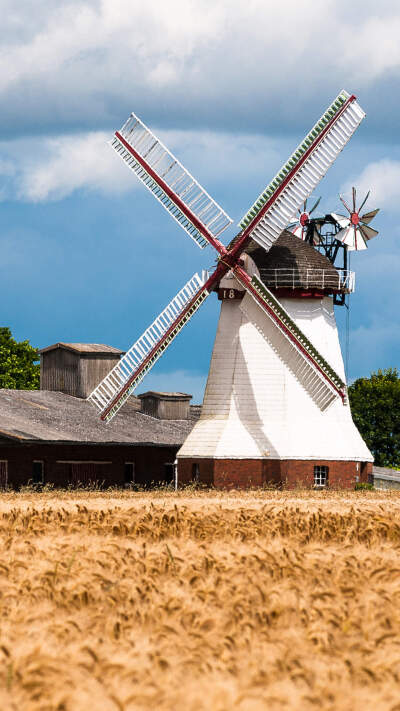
38,472
321,477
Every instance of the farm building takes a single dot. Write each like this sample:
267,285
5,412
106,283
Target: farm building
53,435
385,478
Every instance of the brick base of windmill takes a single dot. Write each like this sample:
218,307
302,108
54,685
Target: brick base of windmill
246,473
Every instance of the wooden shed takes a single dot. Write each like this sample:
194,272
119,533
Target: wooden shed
76,368
166,406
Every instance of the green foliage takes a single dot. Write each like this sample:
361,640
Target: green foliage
364,486
375,406
19,369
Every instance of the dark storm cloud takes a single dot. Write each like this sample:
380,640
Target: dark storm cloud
258,66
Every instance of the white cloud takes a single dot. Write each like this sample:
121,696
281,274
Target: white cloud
382,177
53,168
43,168
86,60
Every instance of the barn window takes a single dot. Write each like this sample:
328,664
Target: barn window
129,473
321,476
195,471
3,473
38,472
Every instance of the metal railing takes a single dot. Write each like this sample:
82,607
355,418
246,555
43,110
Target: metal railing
309,278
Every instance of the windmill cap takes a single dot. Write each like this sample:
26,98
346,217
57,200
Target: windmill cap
294,264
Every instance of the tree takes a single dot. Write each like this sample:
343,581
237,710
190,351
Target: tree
18,363
375,406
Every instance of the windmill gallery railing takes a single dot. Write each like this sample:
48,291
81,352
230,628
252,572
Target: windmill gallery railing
309,278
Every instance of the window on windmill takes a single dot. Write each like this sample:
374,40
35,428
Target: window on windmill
129,473
321,476
195,471
38,472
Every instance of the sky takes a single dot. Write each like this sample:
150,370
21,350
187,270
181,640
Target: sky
86,253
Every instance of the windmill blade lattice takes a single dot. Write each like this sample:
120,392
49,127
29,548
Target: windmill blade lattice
184,198
355,231
300,175
118,385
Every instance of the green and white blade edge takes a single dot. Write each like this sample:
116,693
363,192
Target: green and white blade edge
296,156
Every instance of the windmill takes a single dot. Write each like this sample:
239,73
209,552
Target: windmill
253,311
355,230
334,234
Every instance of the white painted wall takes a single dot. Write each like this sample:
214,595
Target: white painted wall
255,406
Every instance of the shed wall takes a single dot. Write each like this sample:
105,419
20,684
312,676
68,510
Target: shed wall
74,374
92,370
165,409
59,371
108,462
173,409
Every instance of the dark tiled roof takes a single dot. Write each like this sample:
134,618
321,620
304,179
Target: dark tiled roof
99,348
291,257
32,415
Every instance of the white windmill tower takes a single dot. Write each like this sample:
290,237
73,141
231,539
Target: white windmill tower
275,405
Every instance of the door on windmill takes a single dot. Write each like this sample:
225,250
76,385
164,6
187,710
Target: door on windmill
3,473
321,477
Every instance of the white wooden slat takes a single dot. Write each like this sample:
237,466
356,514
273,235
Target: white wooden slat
274,310
114,384
303,370
168,170
303,181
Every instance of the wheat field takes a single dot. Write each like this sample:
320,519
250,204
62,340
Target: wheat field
200,600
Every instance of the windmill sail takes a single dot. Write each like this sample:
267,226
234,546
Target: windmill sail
299,176
184,198
309,366
120,382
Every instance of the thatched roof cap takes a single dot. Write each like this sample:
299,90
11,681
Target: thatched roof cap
294,259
